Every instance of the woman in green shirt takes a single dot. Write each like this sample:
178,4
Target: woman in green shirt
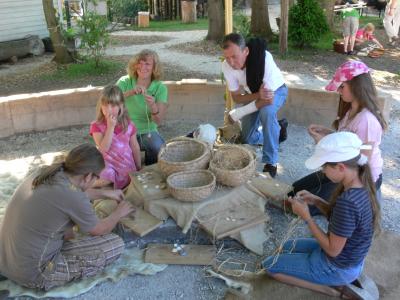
146,99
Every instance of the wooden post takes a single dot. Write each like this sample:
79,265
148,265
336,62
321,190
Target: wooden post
229,104
283,30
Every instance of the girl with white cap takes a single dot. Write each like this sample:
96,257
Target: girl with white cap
358,112
335,258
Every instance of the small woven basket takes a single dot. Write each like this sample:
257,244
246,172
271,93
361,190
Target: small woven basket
233,165
183,154
191,186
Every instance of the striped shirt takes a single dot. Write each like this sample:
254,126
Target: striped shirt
352,218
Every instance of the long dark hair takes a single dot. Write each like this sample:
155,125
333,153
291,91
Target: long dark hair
363,89
364,173
81,160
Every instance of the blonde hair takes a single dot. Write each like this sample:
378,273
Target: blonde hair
113,95
369,27
81,160
143,55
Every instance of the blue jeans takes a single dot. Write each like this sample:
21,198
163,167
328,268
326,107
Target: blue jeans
268,133
309,262
151,144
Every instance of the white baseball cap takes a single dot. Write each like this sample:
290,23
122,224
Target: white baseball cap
336,147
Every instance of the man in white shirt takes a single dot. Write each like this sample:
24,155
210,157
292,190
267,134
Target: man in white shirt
269,94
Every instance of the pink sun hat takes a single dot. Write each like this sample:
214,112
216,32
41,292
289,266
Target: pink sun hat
346,72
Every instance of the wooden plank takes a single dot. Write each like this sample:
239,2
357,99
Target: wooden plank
140,222
143,222
196,255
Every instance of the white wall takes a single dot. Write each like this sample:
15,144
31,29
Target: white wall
19,18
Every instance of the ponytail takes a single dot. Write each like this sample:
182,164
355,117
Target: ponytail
81,160
364,173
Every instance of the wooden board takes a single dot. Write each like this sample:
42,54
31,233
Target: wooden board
196,255
142,223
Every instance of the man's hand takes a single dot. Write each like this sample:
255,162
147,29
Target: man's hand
265,97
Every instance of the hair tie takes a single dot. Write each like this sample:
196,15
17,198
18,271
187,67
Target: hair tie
363,160
62,166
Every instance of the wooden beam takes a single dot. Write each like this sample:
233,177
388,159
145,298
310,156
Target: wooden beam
228,16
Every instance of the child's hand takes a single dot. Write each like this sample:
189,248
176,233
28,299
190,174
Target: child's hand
300,207
307,197
111,120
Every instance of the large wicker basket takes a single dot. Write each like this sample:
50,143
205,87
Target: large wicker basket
233,165
183,154
191,186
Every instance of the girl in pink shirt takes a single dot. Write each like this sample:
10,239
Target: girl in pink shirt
366,34
358,112
115,136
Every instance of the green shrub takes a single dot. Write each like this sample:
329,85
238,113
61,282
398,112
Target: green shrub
241,23
307,23
94,35
127,8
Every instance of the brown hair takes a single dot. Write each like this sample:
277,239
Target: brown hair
364,173
143,55
113,95
81,160
363,89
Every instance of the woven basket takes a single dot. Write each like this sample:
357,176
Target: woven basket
191,186
233,165
183,154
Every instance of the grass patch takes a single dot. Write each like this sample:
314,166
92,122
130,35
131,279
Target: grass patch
378,22
295,53
86,69
174,25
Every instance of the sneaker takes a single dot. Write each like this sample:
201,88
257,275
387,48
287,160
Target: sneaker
283,132
270,169
350,53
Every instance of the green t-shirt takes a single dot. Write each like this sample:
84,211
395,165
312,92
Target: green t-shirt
350,12
136,105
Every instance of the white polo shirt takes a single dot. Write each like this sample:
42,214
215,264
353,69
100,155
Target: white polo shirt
273,78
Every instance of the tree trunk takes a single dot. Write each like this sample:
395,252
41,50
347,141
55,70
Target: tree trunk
189,14
328,6
216,20
260,25
62,55
283,30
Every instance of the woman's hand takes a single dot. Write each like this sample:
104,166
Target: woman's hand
151,103
300,207
116,195
124,208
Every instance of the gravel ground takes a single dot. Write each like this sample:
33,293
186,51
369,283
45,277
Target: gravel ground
21,153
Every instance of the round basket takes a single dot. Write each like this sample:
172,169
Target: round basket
183,154
191,186
233,165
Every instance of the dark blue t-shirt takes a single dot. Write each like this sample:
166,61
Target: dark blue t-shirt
352,218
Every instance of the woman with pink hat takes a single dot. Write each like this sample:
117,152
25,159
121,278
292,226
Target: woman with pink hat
358,112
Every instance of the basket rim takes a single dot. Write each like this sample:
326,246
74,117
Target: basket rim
205,153
212,176
252,160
